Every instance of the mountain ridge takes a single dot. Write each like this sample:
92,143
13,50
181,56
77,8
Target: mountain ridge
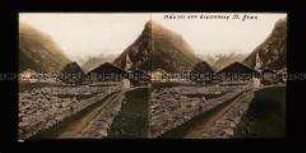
272,52
158,47
38,51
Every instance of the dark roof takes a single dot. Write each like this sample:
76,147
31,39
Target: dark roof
72,68
238,67
71,73
268,71
202,67
108,68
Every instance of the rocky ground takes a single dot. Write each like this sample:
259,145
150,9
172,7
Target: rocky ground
100,125
42,108
167,108
223,122
172,107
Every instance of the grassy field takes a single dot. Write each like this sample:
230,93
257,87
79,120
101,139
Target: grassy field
132,121
266,115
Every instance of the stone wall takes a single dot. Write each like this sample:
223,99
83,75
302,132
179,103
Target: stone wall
225,126
99,127
42,108
170,107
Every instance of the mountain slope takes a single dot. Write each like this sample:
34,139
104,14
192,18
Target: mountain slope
273,51
219,61
38,51
227,59
158,48
94,61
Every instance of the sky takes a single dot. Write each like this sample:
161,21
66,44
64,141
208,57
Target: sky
88,34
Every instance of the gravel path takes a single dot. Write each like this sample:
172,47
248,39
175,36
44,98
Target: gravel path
222,123
94,124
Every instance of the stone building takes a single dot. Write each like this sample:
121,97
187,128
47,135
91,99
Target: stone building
139,77
29,76
158,75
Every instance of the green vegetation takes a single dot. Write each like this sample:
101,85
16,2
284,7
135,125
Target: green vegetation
266,116
132,120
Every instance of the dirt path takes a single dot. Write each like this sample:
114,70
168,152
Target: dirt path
207,125
77,127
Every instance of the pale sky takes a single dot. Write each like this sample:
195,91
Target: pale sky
89,34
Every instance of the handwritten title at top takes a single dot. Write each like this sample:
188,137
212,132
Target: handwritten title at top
209,16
